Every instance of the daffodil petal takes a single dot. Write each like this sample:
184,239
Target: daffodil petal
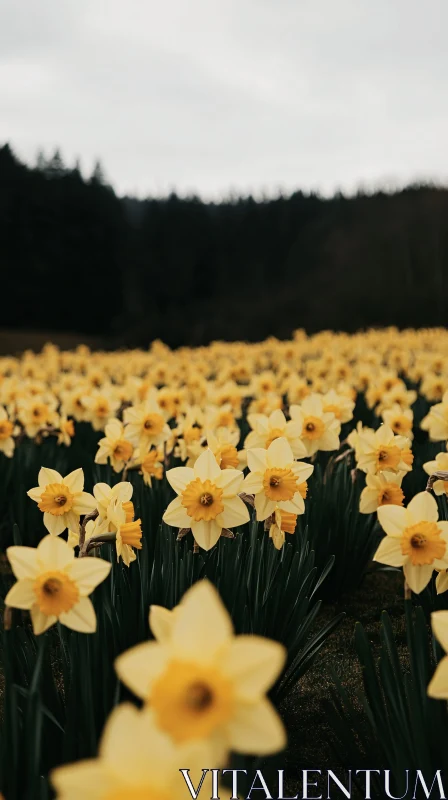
84,503
22,594
257,459
279,453
438,685
75,481
179,477
176,515
263,506
54,553
161,621
81,617
40,621
206,467
439,624
55,525
138,667
88,573
423,507
417,577
23,561
47,475
102,493
82,779
202,626
35,493
392,519
206,533
230,481
254,663
253,483
235,513
256,729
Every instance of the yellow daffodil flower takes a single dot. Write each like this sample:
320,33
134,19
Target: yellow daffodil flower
62,500
202,683
54,585
207,499
136,761
319,429
275,479
416,540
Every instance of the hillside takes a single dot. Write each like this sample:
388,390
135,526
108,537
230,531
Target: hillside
75,257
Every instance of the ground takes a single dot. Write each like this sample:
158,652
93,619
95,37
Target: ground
304,712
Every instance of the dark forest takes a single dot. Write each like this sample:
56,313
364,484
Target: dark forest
76,257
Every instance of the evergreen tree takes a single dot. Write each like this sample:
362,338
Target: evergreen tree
98,176
41,161
189,271
55,167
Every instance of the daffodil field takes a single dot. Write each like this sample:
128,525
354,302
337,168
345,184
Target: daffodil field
175,525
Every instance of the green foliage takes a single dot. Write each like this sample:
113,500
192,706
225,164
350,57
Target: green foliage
333,525
60,689
392,724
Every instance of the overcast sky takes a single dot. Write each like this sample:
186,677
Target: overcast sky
215,96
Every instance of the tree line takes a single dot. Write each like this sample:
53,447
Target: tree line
76,257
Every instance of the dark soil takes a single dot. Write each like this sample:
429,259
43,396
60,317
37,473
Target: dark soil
304,712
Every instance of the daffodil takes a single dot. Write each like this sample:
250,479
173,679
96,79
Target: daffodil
128,531
338,404
223,444
416,540
207,499
161,621
265,404
442,581
92,528
114,446
146,424
381,450
354,438
35,413
66,430
6,434
54,585
381,489
227,395
439,464
398,396
265,429
151,466
136,761
282,522
436,422
220,417
385,381
297,389
433,387
74,403
438,686
399,420
319,429
188,432
275,479
171,401
62,500
107,496
100,406
200,682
